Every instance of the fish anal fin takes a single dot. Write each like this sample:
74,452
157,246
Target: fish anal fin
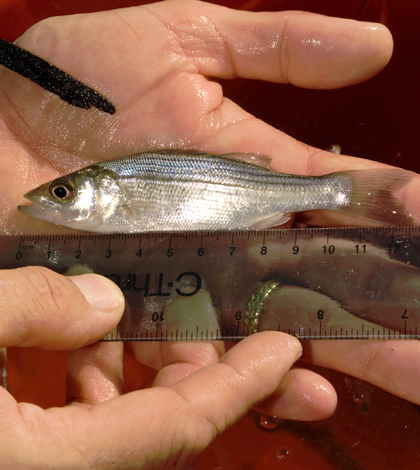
258,159
271,221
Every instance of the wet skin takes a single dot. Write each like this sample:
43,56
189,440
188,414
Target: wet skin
153,63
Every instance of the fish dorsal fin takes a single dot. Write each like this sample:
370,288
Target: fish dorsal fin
258,159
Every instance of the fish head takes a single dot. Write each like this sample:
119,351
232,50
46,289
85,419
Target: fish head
69,200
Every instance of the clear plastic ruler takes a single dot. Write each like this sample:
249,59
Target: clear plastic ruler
314,283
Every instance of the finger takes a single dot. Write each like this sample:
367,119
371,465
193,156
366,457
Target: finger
302,395
214,396
391,365
181,359
42,308
95,373
173,360
304,49
172,425
247,364
298,48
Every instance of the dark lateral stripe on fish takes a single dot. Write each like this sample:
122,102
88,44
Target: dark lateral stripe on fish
51,78
197,167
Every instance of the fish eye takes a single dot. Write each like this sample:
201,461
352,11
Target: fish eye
62,191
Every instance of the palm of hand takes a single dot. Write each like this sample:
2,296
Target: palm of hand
151,63
146,69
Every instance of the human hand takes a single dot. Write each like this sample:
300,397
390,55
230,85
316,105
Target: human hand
371,288
161,90
193,398
359,293
152,63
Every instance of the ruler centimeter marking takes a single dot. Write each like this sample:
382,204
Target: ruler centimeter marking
324,283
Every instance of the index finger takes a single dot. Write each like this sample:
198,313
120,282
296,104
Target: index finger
305,49
391,365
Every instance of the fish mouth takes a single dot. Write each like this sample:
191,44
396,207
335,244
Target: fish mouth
32,209
38,211
26,209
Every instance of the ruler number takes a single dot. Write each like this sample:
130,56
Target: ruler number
200,251
238,315
394,247
156,316
405,314
18,255
170,252
139,253
232,249
78,254
328,249
320,314
360,248
264,250
295,250
108,254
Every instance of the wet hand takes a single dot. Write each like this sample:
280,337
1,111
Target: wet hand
156,64
153,64
196,394
374,287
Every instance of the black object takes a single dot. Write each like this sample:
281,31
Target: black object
51,78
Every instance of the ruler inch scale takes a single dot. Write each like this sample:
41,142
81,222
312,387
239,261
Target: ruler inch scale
313,283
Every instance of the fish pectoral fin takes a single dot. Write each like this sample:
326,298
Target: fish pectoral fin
258,159
128,211
271,221
145,209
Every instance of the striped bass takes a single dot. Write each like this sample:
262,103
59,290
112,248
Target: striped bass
173,190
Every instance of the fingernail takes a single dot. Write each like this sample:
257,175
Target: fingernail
99,291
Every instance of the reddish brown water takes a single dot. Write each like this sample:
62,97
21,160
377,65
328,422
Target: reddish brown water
371,430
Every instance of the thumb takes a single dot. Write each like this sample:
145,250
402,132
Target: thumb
42,308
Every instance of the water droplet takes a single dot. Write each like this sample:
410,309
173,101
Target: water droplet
269,422
362,399
359,397
282,454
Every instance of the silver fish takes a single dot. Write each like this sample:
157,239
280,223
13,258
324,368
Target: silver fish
172,190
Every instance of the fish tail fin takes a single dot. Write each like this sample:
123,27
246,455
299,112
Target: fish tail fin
373,195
